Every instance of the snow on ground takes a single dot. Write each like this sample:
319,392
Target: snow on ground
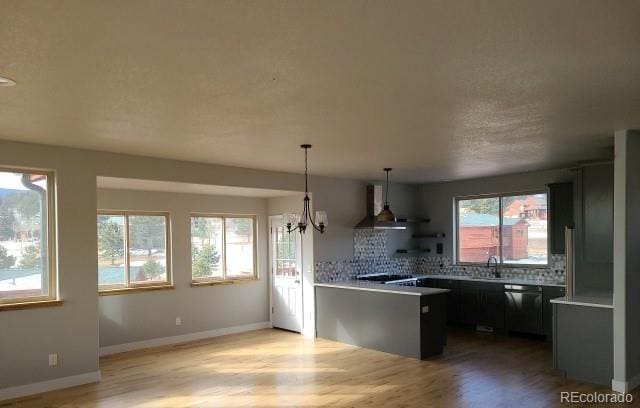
22,283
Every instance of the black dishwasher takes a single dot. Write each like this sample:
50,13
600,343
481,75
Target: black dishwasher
523,308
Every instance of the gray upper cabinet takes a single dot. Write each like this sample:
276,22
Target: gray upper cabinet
561,215
597,193
593,213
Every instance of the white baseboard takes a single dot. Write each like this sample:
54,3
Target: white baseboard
625,386
80,379
619,386
182,338
50,385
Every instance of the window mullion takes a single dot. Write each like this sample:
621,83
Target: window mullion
500,229
224,248
167,250
127,279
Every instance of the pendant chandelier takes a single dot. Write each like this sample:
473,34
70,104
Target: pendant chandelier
320,221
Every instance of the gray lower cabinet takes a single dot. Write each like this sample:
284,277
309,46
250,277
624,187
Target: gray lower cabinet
583,342
548,293
468,306
452,297
483,303
491,306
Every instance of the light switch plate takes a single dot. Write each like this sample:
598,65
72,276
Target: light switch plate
425,309
53,360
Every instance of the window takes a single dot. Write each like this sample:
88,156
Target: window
286,253
132,250
27,265
223,247
513,228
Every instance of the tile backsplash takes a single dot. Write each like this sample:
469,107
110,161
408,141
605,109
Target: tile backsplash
370,244
371,256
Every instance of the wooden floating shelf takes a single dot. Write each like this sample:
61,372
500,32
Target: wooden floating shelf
434,235
413,220
413,251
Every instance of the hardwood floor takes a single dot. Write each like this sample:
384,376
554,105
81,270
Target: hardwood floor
272,368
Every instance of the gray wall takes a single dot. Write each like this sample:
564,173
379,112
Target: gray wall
404,203
28,336
146,315
626,314
436,201
632,281
71,330
345,204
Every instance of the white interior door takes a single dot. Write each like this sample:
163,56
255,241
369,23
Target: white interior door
286,276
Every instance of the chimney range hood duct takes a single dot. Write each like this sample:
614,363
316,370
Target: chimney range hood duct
374,206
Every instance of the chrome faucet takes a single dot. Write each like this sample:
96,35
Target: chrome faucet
496,271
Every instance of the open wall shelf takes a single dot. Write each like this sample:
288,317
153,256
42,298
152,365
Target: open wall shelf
415,251
413,220
431,235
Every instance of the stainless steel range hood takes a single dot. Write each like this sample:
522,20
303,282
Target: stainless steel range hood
374,206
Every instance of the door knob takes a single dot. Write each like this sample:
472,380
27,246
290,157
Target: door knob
297,281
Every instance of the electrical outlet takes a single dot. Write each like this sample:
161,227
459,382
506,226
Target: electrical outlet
53,360
178,321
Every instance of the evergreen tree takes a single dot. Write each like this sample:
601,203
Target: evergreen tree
482,205
110,240
202,228
203,260
150,269
147,232
31,257
6,260
7,222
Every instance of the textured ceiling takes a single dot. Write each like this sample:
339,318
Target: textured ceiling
439,90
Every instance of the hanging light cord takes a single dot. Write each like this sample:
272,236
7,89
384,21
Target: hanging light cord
306,171
386,191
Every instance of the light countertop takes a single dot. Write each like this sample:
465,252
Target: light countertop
380,287
514,281
591,300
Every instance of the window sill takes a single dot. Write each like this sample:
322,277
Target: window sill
223,282
122,291
30,305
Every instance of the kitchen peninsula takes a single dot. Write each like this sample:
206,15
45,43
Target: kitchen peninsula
405,320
